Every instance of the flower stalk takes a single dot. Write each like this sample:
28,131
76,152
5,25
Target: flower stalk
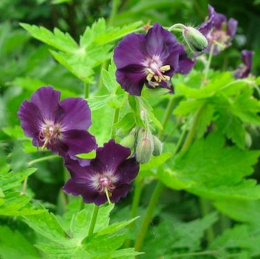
93,220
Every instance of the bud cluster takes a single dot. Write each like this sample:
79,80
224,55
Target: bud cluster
143,143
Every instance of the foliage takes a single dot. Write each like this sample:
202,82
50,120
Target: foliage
210,135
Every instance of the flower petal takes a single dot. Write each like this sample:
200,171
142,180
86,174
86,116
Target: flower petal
159,42
31,119
128,171
131,82
206,27
74,142
232,27
77,115
47,100
120,192
130,51
109,157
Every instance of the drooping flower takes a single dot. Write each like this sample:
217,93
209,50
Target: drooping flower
107,178
244,69
57,125
218,30
150,59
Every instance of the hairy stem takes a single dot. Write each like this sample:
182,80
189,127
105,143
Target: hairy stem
86,90
115,5
93,220
137,195
209,60
193,128
159,187
115,120
205,208
148,216
166,116
38,160
215,253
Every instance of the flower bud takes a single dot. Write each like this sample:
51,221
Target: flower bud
145,146
157,146
195,39
248,140
128,141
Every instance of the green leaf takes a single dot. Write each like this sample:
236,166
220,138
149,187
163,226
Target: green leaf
173,236
206,116
15,204
239,210
154,93
209,170
246,108
12,180
238,238
232,127
14,245
47,225
116,227
56,39
102,127
99,34
109,78
80,223
155,161
126,123
98,102
89,155
19,160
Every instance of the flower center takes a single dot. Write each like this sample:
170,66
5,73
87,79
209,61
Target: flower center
105,183
218,37
155,71
49,133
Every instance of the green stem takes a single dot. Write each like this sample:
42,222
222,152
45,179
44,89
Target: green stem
149,213
86,90
115,4
93,220
159,187
192,131
42,159
166,117
115,120
136,199
179,143
196,254
209,60
225,222
24,186
205,208
177,27
34,162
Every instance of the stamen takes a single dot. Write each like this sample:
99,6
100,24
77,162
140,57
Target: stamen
165,68
108,194
45,144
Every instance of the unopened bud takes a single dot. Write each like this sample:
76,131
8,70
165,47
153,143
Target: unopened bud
195,39
157,146
144,149
128,141
248,140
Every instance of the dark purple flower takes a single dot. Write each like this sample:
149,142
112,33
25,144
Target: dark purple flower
57,125
149,59
107,178
218,30
244,69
